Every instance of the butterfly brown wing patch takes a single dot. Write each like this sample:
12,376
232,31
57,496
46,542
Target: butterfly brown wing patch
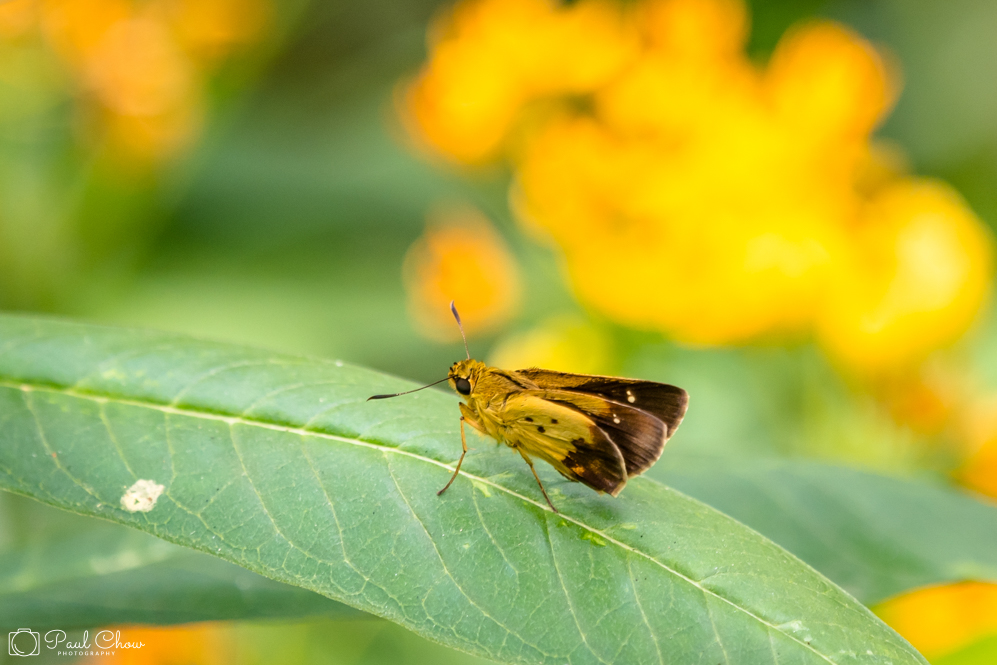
564,437
639,436
665,402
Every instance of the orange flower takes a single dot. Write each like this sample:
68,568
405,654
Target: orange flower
17,18
980,471
136,69
209,29
147,88
192,644
460,258
143,64
979,433
77,27
926,398
941,619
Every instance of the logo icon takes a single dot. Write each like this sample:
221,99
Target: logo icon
24,642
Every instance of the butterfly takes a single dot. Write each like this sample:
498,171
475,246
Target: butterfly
597,430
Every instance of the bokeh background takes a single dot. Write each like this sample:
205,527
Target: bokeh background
787,208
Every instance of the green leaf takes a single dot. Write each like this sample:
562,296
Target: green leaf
277,463
111,574
874,535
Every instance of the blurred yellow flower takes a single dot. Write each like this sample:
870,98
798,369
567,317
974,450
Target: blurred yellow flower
696,193
650,243
460,258
914,280
941,619
562,343
491,57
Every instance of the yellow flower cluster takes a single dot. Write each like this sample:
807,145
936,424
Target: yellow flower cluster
694,192
139,68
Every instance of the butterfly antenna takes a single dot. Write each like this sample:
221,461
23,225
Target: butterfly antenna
453,308
407,391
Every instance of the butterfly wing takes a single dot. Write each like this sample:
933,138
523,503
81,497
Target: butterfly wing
665,402
638,416
564,437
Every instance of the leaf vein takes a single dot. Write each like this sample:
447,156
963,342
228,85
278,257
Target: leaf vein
443,563
567,596
114,440
640,606
221,369
53,455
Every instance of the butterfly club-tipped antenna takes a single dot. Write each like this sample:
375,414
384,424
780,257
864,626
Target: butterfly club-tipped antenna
453,308
407,391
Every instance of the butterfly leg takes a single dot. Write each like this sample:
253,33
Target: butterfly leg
463,443
533,469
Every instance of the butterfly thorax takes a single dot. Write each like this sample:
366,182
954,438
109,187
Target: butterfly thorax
484,389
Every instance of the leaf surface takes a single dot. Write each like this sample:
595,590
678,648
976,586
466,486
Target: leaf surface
277,463
875,535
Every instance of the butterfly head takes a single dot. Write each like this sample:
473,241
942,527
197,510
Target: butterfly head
464,375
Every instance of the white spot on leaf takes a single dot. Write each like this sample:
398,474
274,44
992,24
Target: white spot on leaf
142,496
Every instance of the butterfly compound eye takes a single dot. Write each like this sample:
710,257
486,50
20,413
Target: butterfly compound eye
463,386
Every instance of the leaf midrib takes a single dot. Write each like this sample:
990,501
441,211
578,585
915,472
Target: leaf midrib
230,420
